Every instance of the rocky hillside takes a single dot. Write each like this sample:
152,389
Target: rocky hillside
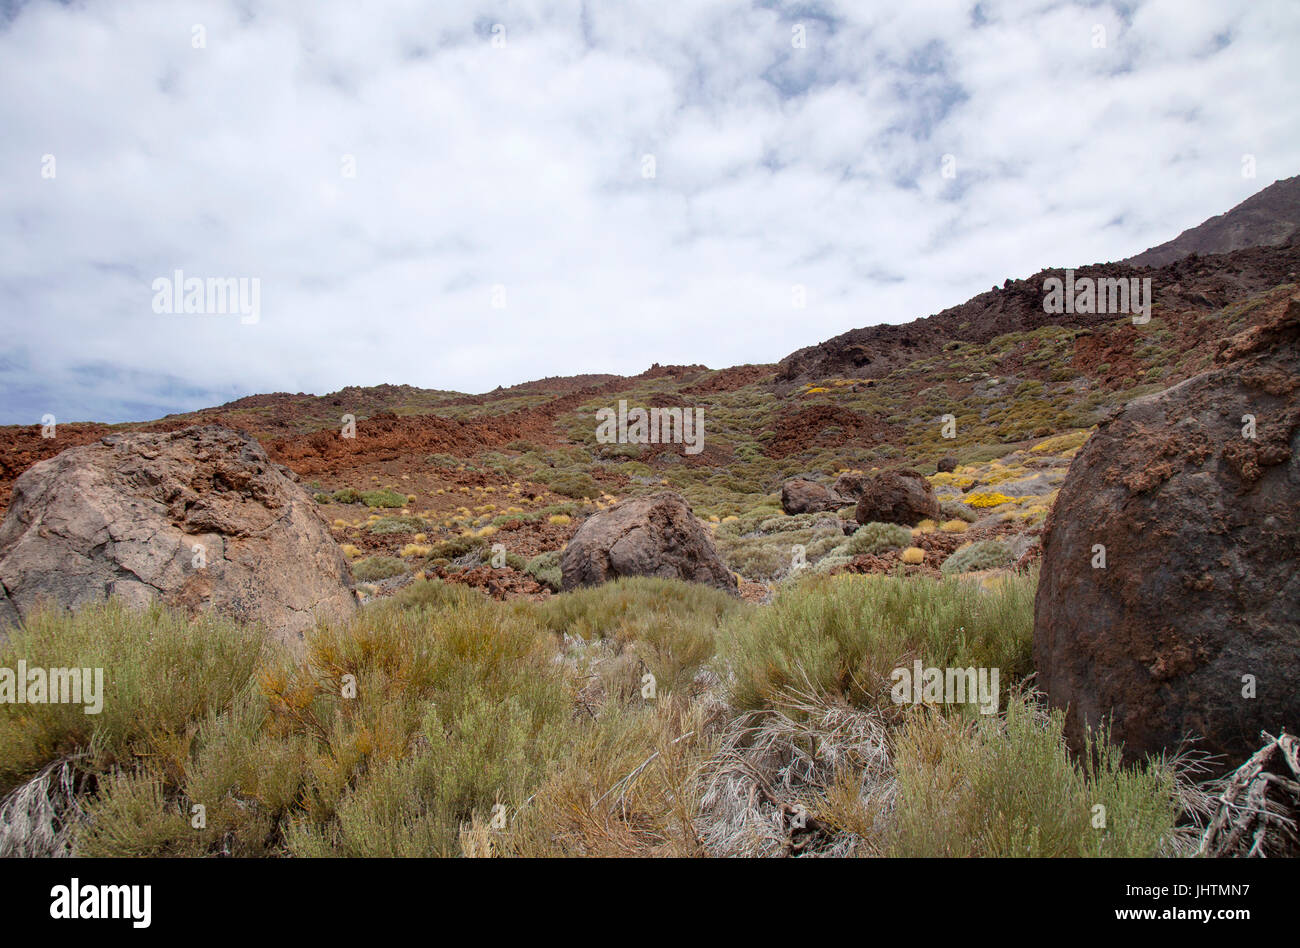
679,627
1017,306
1267,219
999,391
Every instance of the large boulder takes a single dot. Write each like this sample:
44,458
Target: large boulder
196,518
803,496
1192,627
897,496
655,535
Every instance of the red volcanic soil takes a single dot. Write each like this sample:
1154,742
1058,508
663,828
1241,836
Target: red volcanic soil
1114,349
386,445
530,537
21,447
503,583
800,429
388,438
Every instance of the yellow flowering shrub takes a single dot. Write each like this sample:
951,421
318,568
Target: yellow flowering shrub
993,499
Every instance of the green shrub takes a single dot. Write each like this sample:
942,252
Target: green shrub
545,568
384,497
435,594
839,556
623,607
956,510
161,672
879,537
768,557
984,554
346,495
399,732
845,634
407,524
761,547
786,524
131,815
668,626
572,484
247,781
455,548
456,708
1006,785
374,568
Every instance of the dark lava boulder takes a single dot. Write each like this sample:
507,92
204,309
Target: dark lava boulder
849,486
897,496
1192,626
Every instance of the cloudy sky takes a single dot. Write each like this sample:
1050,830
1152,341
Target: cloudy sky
460,195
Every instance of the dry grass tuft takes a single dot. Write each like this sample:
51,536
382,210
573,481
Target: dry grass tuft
1257,812
38,817
777,786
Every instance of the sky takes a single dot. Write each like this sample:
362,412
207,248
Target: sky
465,195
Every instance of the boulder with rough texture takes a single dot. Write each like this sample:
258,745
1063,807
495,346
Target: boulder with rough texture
849,486
196,518
655,535
898,496
947,464
1198,602
803,496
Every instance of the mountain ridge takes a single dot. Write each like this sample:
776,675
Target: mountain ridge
1268,218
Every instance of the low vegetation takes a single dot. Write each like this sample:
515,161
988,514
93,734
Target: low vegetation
609,721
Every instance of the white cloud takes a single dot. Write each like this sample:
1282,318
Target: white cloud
522,166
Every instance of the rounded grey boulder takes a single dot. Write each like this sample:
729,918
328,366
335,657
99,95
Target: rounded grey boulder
804,496
655,535
197,518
